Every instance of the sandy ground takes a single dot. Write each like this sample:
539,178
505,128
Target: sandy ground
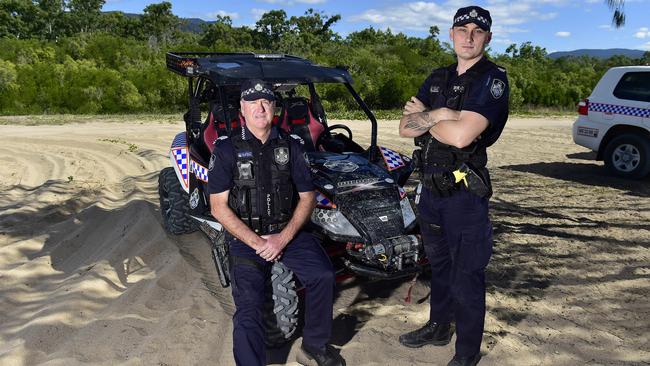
89,277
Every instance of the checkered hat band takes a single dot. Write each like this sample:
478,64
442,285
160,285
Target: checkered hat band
253,90
619,109
466,17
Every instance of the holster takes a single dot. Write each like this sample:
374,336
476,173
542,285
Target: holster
478,180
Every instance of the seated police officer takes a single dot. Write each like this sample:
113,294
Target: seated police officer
459,111
255,179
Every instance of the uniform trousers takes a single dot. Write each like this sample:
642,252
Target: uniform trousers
306,258
457,235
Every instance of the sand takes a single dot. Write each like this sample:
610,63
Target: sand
88,276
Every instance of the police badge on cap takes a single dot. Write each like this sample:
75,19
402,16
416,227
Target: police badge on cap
473,14
254,89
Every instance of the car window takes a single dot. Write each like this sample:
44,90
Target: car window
634,86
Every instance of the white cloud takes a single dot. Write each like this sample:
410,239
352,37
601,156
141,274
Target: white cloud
508,17
257,13
643,32
562,34
645,46
223,13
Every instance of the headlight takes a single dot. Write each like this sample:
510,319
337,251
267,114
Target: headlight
334,222
407,212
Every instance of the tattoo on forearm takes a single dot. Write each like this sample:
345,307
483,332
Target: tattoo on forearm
420,122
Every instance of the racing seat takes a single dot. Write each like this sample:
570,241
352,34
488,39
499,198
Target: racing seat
215,125
298,118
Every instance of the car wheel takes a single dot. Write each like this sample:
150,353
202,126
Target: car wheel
174,204
628,156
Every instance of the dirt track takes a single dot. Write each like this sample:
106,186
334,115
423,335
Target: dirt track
88,276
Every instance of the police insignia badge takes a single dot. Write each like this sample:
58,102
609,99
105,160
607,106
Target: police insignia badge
434,89
497,88
258,87
306,157
473,13
212,158
281,155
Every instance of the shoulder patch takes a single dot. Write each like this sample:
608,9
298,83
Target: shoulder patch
497,88
296,137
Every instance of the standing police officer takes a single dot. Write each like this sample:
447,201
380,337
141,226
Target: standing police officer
458,112
254,179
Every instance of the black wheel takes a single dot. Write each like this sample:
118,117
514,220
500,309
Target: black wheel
628,156
174,204
281,308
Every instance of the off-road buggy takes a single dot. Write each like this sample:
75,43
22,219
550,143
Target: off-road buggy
363,215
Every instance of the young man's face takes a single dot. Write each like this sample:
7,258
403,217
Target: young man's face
469,41
258,113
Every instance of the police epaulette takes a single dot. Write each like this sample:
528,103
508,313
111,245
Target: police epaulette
220,138
296,137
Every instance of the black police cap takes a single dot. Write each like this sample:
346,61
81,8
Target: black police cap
254,89
473,14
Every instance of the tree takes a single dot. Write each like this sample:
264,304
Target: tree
271,27
158,22
84,14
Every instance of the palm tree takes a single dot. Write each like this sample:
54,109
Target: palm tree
618,19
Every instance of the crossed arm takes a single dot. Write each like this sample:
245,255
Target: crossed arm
270,246
455,128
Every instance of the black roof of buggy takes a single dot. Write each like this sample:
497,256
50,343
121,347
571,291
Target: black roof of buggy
233,68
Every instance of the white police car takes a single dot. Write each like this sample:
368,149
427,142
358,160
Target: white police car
615,121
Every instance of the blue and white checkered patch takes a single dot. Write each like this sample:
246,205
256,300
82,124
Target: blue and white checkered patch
200,171
180,157
393,159
619,109
180,140
322,201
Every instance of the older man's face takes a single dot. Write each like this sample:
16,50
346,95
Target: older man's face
258,113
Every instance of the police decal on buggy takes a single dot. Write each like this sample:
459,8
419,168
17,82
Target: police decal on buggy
281,155
497,88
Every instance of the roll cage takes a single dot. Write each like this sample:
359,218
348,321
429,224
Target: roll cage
217,76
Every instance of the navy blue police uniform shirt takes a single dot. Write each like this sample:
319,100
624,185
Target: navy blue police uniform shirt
487,96
223,161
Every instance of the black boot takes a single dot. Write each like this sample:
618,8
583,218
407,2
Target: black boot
465,361
437,334
310,356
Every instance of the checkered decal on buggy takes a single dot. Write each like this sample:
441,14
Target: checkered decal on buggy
402,192
393,159
180,156
322,201
199,170
179,140
619,109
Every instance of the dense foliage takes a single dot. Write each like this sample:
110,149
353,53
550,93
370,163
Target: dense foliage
65,56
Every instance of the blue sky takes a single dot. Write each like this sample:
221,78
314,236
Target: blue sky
557,25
